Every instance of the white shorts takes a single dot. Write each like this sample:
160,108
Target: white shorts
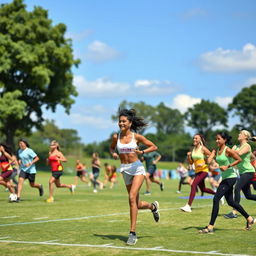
131,170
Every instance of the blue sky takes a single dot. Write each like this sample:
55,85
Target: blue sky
176,52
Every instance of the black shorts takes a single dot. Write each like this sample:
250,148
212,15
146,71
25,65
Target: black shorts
80,173
30,176
57,174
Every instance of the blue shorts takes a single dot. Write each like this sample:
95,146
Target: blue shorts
151,170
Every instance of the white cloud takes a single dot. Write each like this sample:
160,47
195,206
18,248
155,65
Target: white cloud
100,87
223,101
97,122
99,52
183,101
103,87
250,81
222,60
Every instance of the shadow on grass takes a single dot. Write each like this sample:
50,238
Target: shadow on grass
117,237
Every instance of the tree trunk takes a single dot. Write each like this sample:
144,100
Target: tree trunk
10,132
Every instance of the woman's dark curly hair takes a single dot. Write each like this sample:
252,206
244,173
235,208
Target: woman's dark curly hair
202,138
137,122
226,137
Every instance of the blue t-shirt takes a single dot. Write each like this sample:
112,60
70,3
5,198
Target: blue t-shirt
26,156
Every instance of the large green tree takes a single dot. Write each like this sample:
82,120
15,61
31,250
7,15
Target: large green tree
244,106
168,120
36,62
205,116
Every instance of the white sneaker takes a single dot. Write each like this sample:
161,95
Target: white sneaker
178,192
95,191
186,208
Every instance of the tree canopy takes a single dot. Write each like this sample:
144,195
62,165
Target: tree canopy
206,115
244,106
35,66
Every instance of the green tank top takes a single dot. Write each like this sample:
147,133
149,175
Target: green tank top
245,165
222,159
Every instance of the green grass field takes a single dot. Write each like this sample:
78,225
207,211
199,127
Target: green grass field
88,223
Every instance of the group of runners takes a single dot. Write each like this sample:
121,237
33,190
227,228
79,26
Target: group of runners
132,148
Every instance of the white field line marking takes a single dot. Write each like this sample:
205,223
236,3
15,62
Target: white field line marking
4,237
9,217
82,218
40,218
50,241
123,248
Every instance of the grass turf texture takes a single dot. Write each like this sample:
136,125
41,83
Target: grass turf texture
175,231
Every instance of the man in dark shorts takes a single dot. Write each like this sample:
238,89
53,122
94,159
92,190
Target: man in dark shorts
151,159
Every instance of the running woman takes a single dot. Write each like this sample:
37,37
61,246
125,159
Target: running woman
151,160
246,170
197,157
227,159
96,172
80,172
183,173
27,159
6,167
110,175
55,159
126,142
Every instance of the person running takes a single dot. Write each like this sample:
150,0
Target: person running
96,172
183,173
197,156
126,142
246,171
80,172
151,160
27,159
6,167
227,159
191,173
55,160
110,175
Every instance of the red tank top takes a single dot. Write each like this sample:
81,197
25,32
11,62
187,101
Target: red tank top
56,165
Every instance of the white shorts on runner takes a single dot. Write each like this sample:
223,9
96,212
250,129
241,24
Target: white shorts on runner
131,170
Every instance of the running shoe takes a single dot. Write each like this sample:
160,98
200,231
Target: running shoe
50,200
162,186
132,239
178,192
147,193
41,190
72,188
186,208
155,211
95,191
230,215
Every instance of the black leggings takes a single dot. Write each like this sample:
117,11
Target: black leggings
226,189
244,183
182,181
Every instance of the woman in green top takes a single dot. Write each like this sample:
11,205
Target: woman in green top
226,158
246,170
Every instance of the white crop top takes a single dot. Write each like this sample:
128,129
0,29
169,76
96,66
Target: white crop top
126,148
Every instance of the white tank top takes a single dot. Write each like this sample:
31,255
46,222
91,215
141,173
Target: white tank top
126,148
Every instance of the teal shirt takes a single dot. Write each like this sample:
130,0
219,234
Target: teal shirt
224,160
26,156
150,157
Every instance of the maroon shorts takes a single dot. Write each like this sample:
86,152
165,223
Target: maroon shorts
6,174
